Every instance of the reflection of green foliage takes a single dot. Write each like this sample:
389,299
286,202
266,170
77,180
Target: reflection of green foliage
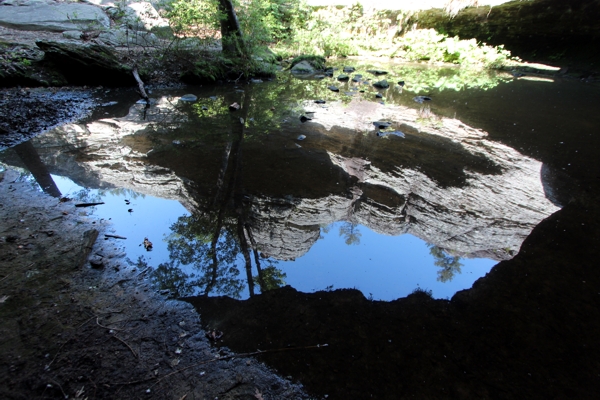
190,244
273,278
449,265
350,233
426,292
170,277
86,195
421,80
121,192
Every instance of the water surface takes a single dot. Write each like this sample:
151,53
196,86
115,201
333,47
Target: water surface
239,202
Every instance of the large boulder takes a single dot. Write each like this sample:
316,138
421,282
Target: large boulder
87,64
41,15
139,16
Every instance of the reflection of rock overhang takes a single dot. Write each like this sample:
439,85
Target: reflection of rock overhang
445,182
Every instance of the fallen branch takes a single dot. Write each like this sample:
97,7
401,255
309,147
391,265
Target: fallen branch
136,75
125,343
88,204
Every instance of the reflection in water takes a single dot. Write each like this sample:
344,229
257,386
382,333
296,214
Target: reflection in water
31,159
350,232
450,265
259,200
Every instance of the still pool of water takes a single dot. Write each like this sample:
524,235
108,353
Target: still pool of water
382,267
285,190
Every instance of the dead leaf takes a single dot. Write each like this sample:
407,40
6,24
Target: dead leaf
3,298
258,394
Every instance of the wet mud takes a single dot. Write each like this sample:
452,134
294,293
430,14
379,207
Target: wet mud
25,112
528,329
77,321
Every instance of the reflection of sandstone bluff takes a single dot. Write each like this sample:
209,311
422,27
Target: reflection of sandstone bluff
490,216
455,188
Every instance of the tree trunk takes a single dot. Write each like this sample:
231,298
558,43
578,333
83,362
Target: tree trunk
232,36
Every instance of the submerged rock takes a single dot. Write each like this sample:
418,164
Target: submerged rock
343,77
188,97
333,88
421,99
382,124
349,69
377,72
382,84
394,133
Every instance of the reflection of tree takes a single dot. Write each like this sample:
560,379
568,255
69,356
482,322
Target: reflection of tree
170,277
191,243
351,233
449,265
34,164
272,278
212,241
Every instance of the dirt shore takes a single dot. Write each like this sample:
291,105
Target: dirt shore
77,321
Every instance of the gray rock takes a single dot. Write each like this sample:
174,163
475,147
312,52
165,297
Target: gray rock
72,34
125,37
343,77
139,16
53,17
303,68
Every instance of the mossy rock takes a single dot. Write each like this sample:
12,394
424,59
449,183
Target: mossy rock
318,62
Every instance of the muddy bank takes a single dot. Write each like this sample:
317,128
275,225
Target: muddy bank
25,113
97,329
527,330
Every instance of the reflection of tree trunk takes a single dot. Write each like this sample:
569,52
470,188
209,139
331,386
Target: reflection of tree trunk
222,172
34,164
246,253
261,278
232,37
232,155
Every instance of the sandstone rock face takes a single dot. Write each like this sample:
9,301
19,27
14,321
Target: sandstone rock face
51,16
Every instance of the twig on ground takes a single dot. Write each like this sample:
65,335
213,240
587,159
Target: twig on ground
125,343
106,327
